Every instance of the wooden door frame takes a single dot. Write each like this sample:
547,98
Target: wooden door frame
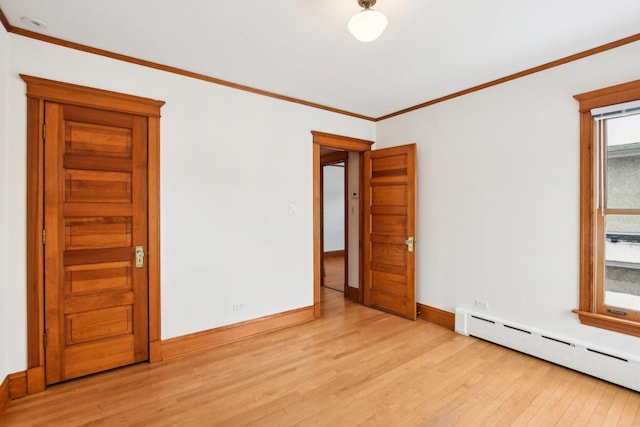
322,139
330,159
38,92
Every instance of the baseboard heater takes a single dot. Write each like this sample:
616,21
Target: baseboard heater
621,369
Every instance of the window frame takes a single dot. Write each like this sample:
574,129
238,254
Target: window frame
589,240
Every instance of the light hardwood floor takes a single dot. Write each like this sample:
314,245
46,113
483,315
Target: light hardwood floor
334,272
354,366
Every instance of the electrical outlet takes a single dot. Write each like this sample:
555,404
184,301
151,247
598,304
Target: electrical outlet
238,307
483,305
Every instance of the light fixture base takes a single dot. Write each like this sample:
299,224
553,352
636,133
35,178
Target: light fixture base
366,3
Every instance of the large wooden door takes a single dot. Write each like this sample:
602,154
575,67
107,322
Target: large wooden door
95,208
389,229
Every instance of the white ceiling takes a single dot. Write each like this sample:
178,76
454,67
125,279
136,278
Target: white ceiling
302,49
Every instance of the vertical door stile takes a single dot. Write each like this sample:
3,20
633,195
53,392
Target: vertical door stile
54,248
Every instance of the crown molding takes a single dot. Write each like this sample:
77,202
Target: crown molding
5,22
548,65
175,70
84,48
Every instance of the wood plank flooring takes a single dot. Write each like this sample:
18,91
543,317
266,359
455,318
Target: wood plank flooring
354,366
334,272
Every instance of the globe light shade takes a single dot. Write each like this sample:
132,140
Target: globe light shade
367,25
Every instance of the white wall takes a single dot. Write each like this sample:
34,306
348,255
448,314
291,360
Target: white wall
498,195
227,237
333,199
4,226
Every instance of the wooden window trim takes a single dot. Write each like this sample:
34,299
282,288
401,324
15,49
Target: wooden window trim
587,311
38,92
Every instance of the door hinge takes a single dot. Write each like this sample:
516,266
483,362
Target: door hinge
44,340
44,237
44,131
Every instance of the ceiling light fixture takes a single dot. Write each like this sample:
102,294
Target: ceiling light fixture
33,23
368,24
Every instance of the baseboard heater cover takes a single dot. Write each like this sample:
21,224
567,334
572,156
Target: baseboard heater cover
621,369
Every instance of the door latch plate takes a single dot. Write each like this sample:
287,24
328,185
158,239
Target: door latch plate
139,256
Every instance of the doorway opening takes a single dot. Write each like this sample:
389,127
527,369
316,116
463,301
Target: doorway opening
336,219
387,224
327,149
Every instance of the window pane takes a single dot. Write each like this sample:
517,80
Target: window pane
622,261
623,162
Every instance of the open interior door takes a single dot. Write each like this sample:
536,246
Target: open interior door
390,229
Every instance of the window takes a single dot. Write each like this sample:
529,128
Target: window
610,208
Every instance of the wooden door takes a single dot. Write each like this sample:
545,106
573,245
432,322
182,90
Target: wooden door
389,225
95,207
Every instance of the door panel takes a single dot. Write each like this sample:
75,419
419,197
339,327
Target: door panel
92,139
94,324
86,279
389,220
99,356
92,186
96,300
390,195
394,254
97,232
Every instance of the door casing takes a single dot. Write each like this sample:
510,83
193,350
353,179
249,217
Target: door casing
38,92
322,139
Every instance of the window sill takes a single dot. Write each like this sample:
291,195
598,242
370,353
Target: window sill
607,322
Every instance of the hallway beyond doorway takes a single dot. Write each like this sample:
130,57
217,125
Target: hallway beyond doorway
334,272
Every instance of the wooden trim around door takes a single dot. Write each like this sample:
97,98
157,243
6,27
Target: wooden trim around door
322,139
353,293
153,230
38,92
345,221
